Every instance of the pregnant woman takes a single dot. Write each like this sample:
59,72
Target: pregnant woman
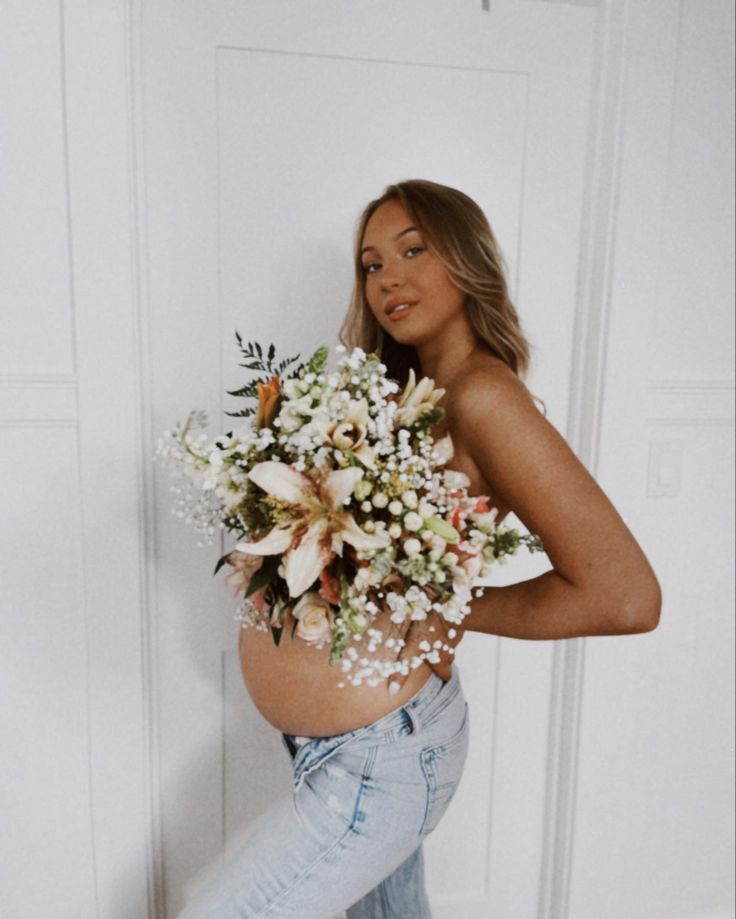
375,767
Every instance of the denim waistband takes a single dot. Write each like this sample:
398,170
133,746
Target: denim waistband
427,703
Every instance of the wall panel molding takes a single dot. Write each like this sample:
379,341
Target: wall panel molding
39,399
103,188
153,841
590,342
690,402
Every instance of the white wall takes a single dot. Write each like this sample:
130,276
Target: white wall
654,833
649,826
74,801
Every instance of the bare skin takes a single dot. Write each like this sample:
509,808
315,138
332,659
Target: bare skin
601,582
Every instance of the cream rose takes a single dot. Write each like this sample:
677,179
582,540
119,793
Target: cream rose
314,617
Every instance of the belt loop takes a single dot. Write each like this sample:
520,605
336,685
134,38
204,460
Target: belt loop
413,716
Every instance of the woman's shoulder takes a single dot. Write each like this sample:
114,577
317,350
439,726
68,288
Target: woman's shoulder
486,382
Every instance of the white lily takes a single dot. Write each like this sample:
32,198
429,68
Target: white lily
319,522
417,399
350,433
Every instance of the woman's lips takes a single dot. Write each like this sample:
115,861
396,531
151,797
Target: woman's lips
395,315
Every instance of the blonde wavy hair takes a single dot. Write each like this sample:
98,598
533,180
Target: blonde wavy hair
458,234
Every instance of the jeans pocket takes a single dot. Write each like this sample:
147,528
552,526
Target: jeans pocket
442,765
334,791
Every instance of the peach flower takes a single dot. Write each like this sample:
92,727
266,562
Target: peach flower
245,566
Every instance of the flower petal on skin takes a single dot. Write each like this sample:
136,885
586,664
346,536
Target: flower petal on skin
281,481
274,543
444,449
304,564
352,533
339,485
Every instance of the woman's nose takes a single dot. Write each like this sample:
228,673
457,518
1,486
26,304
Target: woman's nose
391,277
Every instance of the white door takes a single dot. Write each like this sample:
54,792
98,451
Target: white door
267,125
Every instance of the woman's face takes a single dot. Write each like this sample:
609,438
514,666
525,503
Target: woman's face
398,269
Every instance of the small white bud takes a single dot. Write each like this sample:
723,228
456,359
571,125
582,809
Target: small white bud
410,499
412,547
413,522
395,508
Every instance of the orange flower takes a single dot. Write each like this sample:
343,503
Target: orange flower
268,398
329,587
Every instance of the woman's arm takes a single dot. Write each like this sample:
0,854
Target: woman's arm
547,607
601,582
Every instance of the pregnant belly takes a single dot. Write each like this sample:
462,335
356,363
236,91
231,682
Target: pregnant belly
295,689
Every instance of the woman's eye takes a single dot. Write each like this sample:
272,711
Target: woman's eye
411,252
368,269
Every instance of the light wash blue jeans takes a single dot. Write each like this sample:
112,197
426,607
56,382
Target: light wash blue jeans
349,835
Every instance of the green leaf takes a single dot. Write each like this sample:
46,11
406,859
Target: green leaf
220,563
246,390
318,360
265,574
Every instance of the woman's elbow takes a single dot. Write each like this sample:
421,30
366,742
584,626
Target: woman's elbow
642,610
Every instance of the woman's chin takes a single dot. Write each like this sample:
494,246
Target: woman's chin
408,333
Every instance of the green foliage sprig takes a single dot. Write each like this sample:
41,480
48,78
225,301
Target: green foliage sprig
256,360
506,543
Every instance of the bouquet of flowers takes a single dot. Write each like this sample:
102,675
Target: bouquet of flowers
342,506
